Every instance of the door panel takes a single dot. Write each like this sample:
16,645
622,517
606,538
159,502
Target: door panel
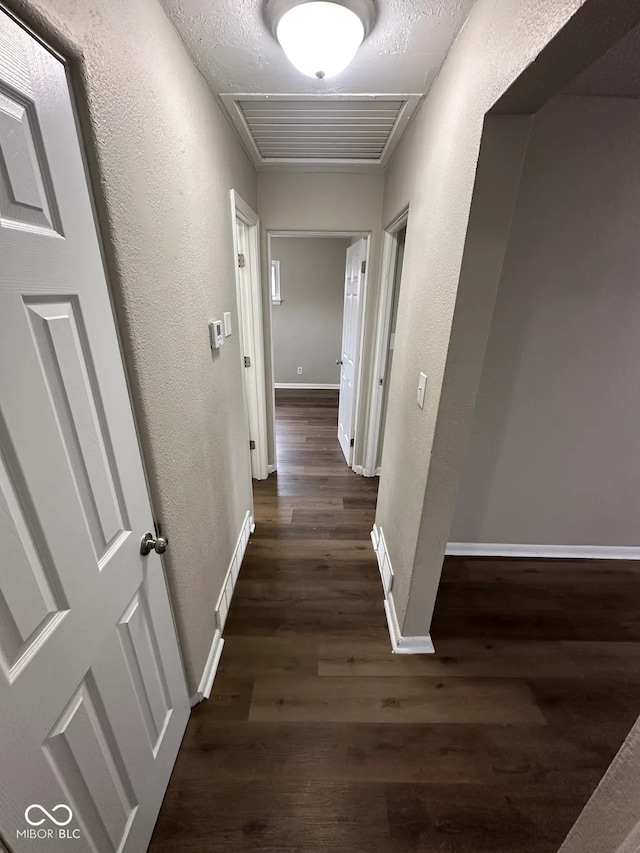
86,758
31,601
145,667
93,702
353,289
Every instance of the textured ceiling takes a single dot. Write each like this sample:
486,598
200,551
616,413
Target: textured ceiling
616,74
231,45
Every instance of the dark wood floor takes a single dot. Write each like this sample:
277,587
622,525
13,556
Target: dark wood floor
317,738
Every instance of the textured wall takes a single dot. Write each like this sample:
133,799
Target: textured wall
610,822
166,160
307,326
324,202
433,170
558,411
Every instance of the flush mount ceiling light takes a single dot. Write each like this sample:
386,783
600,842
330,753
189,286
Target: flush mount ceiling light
320,37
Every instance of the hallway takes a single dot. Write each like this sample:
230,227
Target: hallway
317,738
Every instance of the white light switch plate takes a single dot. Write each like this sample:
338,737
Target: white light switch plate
422,386
227,323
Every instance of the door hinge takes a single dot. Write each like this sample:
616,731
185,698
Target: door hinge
352,442
363,268
252,445
247,361
240,260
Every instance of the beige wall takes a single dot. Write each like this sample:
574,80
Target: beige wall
320,201
558,411
433,170
610,822
166,160
307,325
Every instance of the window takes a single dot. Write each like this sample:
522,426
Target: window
274,274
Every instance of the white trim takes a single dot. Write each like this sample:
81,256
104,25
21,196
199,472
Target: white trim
342,235
563,552
402,122
307,385
398,222
210,669
222,608
252,340
404,645
272,468
401,645
381,344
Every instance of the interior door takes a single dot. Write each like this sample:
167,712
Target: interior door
249,379
353,290
93,703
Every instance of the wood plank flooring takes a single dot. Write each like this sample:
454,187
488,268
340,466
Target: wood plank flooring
317,738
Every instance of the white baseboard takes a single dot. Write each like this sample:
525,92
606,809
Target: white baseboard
210,669
368,472
400,644
384,563
358,469
404,645
305,386
378,471
271,469
562,552
222,608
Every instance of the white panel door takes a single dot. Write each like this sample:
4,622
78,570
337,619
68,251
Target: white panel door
249,378
93,703
353,293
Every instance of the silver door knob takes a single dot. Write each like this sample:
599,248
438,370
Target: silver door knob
150,543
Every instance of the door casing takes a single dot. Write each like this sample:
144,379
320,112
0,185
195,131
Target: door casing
381,346
251,329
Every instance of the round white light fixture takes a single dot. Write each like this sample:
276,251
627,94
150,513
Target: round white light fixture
321,38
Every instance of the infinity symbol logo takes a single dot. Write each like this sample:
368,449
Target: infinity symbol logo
66,810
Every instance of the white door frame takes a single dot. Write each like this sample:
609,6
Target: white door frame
381,345
251,333
344,235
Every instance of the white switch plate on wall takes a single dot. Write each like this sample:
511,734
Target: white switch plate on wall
422,386
227,323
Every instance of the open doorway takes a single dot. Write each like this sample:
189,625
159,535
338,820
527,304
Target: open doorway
392,262
318,289
246,241
391,340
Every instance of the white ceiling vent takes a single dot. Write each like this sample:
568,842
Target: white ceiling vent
335,130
